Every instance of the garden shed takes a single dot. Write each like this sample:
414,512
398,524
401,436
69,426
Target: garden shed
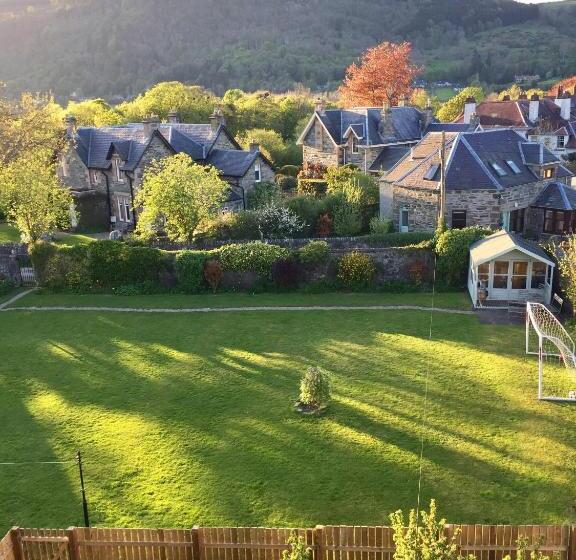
506,267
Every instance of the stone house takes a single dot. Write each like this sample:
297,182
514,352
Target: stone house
103,167
493,178
372,138
551,121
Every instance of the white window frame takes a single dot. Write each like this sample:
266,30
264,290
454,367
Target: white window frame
124,208
355,149
404,228
94,176
117,171
257,173
561,142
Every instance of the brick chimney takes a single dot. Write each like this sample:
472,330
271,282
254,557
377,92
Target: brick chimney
71,125
506,98
174,117
534,108
217,119
386,127
523,96
469,109
254,147
402,102
320,106
150,125
427,116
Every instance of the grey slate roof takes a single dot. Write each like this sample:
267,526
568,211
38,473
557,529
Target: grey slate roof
495,159
95,146
557,196
389,157
366,122
447,127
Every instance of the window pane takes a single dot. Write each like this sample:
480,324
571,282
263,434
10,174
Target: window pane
538,268
484,268
501,267
520,268
500,281
518,282
536,282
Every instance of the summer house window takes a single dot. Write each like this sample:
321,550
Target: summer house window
500,274
519,275
484,274
557,222
538,275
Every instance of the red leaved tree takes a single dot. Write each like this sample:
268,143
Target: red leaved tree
568,84
385,75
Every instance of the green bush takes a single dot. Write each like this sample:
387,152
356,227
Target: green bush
263,194
311,187
347,218
40,253
286,183
67,269
452,248
6,285
314,252
309,209
237,226
190,270
290,170
257,257
315,388
380,226
356,270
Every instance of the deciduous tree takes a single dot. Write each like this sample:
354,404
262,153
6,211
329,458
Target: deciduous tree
177,195
385,75
453,108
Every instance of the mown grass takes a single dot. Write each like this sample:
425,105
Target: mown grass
455,300
186,419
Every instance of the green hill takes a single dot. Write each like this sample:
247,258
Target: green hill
119,47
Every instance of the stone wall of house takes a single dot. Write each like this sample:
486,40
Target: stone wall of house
363,159
482,207
318,147
223,142
266,175
422,206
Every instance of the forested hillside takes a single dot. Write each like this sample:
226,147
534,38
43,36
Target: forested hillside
120,47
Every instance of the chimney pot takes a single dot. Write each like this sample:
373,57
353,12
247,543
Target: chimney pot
534,108
71,123
320,106
469,110
535,97
150,125
506,98
217,119
254,147
523,96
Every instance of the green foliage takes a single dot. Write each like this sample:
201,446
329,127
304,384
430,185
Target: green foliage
424,537
263,194
278,222
310,208
526,550
94,112
234,226
190,270
213,274
290,170
453,108
452,248
315,388
314,252
66,269
356,270
6,285
31,196
270,142
381,226
177,195
347,218
311,187
258,257
287,183
567,266
40,253
298,549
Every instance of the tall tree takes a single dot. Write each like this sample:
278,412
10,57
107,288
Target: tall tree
32,197
177,195
385,75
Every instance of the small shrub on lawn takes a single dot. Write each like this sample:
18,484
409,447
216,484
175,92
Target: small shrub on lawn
452,248
356,270
315,388
190,270
297,549
286,273
258,257
380,226
314,252
213,274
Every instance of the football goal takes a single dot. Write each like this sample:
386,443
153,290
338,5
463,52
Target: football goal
548,339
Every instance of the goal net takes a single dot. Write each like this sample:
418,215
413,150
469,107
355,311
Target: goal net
548,339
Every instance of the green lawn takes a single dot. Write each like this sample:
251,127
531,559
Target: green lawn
186,419
456,300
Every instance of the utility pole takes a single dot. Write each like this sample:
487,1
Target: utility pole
442,179
83,490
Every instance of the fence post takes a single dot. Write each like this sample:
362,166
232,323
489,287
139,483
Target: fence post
72,543
571,552
196,548
16,544
319,542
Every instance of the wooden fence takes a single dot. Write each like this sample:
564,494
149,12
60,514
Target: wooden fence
485,542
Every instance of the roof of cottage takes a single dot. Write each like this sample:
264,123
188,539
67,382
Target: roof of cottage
495,159
557,196
366,123
389,157
96,146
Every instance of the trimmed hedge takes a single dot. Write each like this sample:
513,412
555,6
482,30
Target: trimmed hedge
258,257
190,270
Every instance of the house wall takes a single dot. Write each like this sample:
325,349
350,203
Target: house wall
482,207
223,142
266,174
422,206
318,147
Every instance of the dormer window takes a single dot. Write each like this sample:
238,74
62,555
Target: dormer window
116,164
257,173
561,142
549,173
354,144
431,173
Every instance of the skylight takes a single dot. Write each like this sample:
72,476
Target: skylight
512,165
431,173
498,169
